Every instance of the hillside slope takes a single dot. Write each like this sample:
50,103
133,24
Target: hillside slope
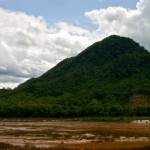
101,79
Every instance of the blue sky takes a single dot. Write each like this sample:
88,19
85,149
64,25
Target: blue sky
71,11
37,34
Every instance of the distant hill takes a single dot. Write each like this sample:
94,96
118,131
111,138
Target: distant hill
102,80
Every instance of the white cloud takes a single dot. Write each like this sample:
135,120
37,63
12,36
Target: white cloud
10,81
126,22
29,47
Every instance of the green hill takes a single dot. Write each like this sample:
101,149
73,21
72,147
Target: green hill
104,79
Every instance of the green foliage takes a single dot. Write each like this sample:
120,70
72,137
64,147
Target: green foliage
100,81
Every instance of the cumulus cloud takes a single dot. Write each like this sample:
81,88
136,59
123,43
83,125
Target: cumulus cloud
29,47
10,81
126,22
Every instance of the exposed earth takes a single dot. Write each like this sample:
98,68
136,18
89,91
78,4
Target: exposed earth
74,134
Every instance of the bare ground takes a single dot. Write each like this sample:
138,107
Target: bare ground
74,134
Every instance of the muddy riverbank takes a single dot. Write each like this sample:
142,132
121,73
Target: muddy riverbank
74,134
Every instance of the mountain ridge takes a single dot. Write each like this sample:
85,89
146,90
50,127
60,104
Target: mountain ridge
98,59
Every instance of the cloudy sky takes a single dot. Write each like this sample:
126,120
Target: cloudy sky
36,34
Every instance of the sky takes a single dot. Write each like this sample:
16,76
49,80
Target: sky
37,34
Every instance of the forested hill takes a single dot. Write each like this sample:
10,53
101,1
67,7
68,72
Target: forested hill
111,77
